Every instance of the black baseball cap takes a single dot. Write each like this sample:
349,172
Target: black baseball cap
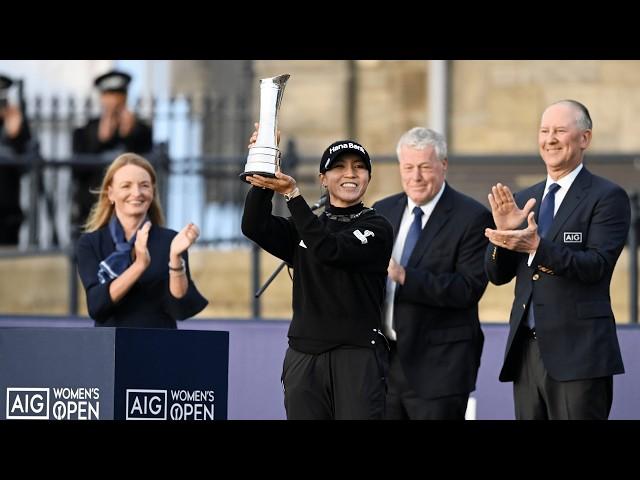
341,147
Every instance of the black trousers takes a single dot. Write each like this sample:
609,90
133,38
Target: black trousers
403,403
537,396
346,383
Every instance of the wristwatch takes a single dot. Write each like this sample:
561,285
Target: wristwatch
292,194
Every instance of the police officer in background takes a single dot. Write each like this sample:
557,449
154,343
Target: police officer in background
14,138
117,130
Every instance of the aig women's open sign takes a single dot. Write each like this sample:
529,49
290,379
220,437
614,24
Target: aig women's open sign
170,405
58,403
113,373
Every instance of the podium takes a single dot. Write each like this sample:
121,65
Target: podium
104,373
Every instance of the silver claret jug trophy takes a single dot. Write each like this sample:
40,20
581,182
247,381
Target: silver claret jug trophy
264,156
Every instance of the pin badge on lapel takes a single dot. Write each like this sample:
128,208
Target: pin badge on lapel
572,237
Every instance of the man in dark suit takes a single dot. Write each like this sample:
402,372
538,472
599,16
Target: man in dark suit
562,349
435,280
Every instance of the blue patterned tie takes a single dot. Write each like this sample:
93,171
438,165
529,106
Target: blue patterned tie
545,219
412,236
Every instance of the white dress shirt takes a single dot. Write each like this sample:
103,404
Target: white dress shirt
398,246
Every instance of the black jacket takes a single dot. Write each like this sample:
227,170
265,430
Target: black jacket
139,140
340,269
568,280
149,303
11,215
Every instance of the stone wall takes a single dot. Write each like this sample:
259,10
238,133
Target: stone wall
495,105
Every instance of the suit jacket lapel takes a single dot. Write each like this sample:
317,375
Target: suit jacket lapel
105,243
395,214
572,199
538,192
438,218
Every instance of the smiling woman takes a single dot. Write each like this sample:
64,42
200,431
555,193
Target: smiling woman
131,191
135,272
347,180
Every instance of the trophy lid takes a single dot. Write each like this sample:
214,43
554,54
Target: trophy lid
280,80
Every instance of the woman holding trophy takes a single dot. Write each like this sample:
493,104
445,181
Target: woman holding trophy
336,363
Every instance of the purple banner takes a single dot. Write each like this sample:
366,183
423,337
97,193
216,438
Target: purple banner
256,352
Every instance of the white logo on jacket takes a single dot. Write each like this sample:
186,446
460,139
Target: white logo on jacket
363,236
572,237
302,244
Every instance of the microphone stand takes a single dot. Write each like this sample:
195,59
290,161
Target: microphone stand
316,206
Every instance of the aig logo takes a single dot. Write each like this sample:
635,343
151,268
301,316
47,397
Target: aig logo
572,237
27,404
146,404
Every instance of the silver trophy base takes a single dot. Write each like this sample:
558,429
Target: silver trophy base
263,161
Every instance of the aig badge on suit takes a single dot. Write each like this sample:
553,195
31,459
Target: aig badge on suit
572,237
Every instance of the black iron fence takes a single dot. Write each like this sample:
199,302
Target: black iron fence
200,148
220,175
207,125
